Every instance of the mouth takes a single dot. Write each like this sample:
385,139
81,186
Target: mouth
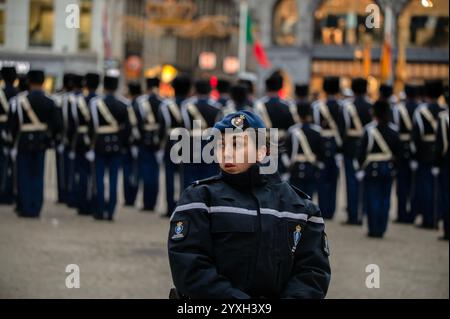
229,165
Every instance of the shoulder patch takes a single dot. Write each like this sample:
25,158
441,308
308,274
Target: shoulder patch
208,180
300,193
179,229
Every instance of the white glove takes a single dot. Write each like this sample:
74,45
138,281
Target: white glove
435,171
285,176
159,156
134,150
60,148
413,165
338,159
360,175
13,153
72,155
90,155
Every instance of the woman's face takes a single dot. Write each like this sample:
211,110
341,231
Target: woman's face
236,153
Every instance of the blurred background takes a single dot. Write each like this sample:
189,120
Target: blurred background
306,39
386,41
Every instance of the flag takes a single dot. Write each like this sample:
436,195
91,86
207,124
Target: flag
367,57
106,35
258,49
386,62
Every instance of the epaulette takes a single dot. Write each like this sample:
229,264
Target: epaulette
207,180
300,193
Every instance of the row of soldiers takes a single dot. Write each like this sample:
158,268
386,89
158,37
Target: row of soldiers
94,132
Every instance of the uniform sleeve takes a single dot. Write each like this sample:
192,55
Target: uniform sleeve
311,273
191,252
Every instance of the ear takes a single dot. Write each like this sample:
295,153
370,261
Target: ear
262,152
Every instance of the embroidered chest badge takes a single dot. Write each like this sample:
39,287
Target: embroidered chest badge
297,236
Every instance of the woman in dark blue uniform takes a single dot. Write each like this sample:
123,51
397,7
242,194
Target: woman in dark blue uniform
245,234
379,150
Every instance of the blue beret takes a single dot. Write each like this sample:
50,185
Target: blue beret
242,120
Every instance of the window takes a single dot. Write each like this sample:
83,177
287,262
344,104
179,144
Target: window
285,20
2,22
41,23
84,34
343,22
427,26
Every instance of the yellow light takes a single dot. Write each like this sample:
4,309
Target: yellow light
168,73
427,3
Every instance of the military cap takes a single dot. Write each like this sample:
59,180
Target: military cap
202,87
434,88
110,82
331,85
9,74
240,120
92,80
134,88
381,109
182,85
274,83
152,83
359,86
239,93
78,81
223,86
386,91
410,90
36,76
301,90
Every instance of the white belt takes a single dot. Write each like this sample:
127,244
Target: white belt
107,130
33,127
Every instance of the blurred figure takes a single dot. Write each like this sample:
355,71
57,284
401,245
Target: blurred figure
403,118
328,115
441,164
249,83
61,100
79,121
425,126
277,113
386,93
223,87
302,93
130,159
72,139
7,91
109,134
204,110
173,121
378,152
34,122
150,123
238,101
356,114
306,150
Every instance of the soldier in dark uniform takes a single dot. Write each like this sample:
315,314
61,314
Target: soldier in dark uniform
250,90
403,119
72,139
130,161
386,93
245,234
356,114
203,110
34,123
79,121
61,100
328,115
377,155
223,87
7,91
173,121
110,130
277,113
306,149
441,163
302,93
150,122
238,101
425,126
